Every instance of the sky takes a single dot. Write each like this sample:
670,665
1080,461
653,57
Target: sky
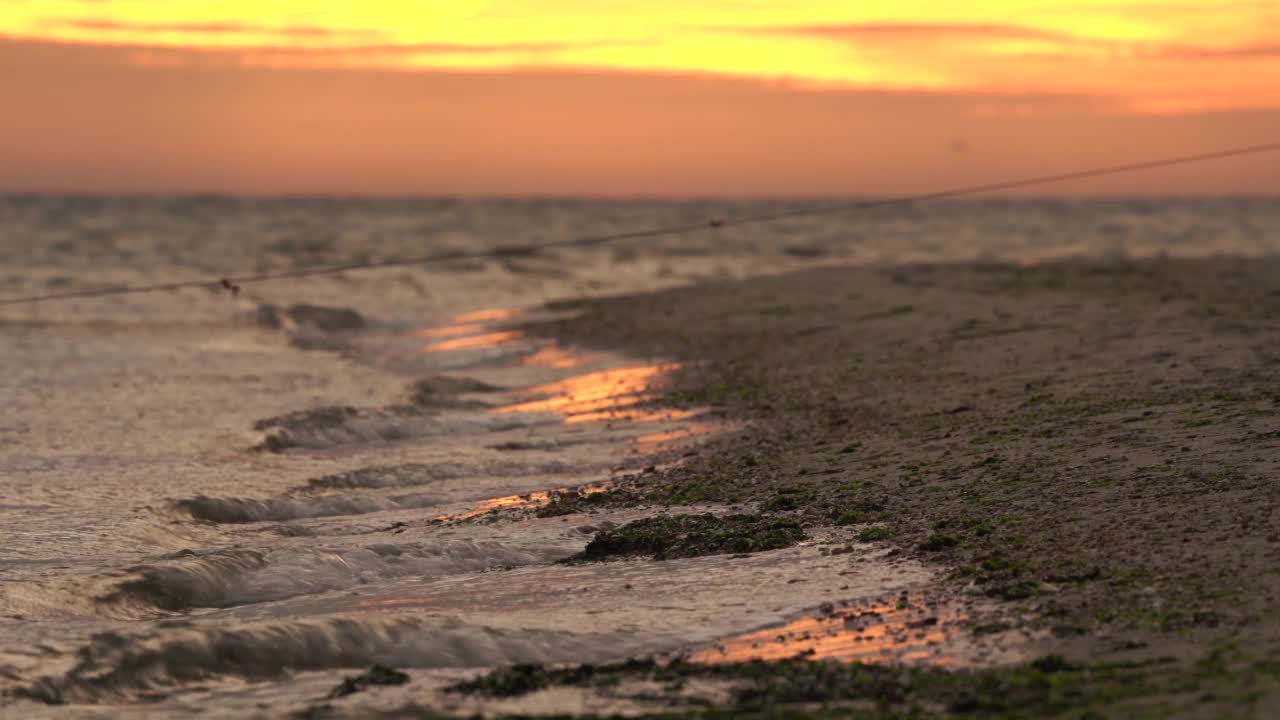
630,97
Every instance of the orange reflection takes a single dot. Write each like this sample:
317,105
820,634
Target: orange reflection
453,330
633,415
475,341
593,392
659,440
557,357
527,501
910,631
570,405
485,315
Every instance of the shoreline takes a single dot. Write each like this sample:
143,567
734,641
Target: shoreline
1043,488
1092,442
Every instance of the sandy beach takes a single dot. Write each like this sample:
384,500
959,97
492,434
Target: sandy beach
1092,443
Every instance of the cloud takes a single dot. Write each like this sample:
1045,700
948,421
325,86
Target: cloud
907,31
301,41
213,28
289,43
890,34
434,48
249,129
1240,52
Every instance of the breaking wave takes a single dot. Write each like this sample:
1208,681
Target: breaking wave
317,498
114,667
411,474
227,578
248,510
341,426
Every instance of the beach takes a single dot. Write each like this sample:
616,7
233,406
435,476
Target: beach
1094,441
1033,477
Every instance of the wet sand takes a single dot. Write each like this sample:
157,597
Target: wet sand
1094,443
417,514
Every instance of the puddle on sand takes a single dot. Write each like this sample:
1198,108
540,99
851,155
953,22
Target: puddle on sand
910,630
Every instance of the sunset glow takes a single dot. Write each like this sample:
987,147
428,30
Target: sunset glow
1154,54
582,72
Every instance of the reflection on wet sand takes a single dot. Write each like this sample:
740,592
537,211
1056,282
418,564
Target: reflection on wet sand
598,396
554,356
634,415
615,394
602,395
489,315
654,442
472,330
618,394
905,630
475,341
453,330
527,501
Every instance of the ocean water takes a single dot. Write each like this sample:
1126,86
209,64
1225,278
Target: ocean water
226,235
217,504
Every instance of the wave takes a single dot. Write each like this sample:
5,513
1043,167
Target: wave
203,581
115,667
411,474
227,578
330,427
227,511
385,476
317,499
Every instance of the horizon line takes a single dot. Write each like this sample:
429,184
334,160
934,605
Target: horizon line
618,197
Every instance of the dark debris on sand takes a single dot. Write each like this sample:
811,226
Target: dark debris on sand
798,688
681,536
445,391
311,317
376,675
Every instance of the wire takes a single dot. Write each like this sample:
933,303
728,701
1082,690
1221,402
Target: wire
234,282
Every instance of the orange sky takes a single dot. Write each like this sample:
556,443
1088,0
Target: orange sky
665,97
